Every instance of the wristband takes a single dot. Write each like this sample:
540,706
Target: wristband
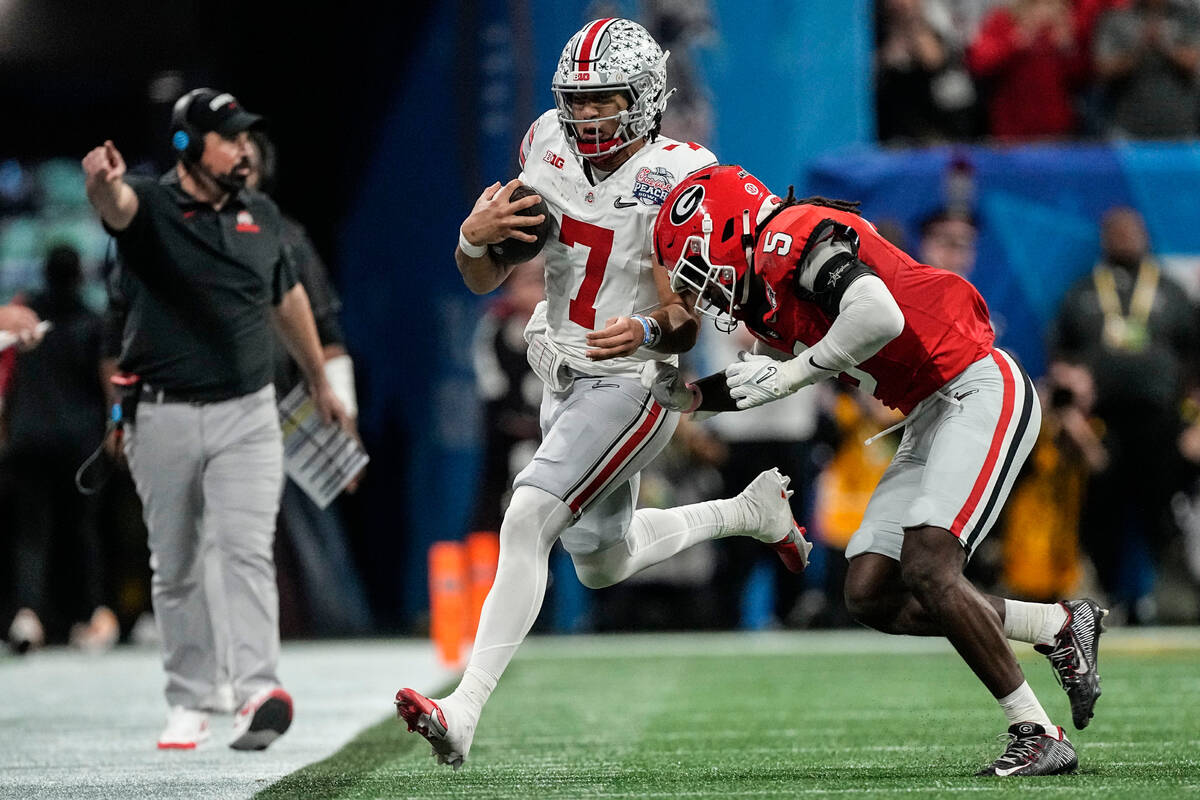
339,371
652,331
470,250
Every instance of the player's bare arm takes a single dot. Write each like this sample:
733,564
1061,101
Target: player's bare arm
494,218
104,181
671,328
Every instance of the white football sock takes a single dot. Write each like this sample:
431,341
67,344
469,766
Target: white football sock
534,520
1035,623
1023,706
656,534
474,689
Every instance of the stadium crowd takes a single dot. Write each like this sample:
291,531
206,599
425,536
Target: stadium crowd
1107,503
1036,69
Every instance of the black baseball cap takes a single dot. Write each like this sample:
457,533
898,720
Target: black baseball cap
221,112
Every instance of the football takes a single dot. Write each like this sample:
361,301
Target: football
513,250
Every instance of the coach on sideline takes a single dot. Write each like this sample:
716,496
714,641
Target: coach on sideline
202,269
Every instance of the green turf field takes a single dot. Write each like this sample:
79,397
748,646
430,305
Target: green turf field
791,715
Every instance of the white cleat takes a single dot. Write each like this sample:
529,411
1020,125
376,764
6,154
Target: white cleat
186,729
770,518
439,722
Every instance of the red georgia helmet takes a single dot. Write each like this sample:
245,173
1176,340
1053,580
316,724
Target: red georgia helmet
704,236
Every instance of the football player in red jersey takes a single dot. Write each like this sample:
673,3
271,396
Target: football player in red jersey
827,296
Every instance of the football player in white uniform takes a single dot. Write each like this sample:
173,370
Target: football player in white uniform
601,167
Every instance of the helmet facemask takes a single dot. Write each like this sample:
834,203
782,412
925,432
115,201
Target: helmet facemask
716,286
612,56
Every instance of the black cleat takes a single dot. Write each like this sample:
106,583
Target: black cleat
1073,657
1032,750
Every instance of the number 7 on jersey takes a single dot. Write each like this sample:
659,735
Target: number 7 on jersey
599,242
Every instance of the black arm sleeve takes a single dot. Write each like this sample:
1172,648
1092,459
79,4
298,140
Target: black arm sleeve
834,277
714,394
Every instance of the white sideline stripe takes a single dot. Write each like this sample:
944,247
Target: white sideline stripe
74,725
1121,640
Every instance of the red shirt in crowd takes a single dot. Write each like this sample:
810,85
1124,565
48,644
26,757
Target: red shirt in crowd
1029,79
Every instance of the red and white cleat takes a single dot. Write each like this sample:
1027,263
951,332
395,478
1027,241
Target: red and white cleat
769,516
793,549
449,737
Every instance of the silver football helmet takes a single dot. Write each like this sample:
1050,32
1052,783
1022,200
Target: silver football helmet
612,55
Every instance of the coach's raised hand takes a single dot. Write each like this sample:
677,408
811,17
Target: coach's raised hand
104,181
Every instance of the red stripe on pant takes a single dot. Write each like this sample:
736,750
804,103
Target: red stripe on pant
993,456
618,460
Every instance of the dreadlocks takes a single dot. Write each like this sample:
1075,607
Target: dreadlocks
850,206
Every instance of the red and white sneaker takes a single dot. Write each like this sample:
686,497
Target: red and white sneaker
448,732
262,719
186,729
770,516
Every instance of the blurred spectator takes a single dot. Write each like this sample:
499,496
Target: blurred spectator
754,440
20,321
1134,330
54,417
843,490
922,91
1146,57
948,241
327,579
681,26
967,15
893,231
510,391
1029,56
1040,557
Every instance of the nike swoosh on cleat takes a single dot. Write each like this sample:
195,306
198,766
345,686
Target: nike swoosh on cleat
1004,773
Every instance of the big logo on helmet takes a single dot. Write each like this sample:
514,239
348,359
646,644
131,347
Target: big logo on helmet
686,204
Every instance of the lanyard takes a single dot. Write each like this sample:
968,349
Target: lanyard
1128,332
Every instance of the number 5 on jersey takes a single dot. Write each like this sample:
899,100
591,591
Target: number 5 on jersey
599,242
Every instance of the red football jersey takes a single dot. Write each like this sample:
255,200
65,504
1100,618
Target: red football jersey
946,322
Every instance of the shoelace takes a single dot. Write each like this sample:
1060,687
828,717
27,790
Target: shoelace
1064,662
897,426
1020,750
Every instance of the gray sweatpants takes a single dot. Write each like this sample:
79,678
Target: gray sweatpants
211,472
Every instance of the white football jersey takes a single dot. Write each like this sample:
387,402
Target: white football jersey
598,257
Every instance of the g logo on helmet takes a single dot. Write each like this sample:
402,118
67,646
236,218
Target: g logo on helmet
686,204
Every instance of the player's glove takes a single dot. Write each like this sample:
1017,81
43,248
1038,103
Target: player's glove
757,379
668,387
